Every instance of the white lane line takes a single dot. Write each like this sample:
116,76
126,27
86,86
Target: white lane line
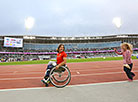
13,73
28,73
18,89
100,74
78,75
102,83
23,78
69,86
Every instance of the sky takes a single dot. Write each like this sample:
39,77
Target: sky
68,17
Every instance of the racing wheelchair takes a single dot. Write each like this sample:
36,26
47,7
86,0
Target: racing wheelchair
59,77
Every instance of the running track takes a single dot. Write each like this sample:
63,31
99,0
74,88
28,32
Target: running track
29,76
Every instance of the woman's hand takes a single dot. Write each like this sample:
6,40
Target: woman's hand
119,53
57,66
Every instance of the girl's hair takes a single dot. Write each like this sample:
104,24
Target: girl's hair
128,46
60,46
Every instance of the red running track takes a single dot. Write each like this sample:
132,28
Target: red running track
29,76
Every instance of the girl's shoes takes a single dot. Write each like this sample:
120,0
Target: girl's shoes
133,76
130,80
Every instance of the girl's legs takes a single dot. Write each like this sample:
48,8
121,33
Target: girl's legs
129,74
131,65
132,74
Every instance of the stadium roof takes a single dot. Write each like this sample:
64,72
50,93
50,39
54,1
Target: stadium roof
12,35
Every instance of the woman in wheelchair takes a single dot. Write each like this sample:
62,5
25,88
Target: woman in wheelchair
61,61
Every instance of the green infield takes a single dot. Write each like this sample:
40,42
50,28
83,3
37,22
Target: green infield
68,61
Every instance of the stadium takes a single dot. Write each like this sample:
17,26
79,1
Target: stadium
91,62
68,51
43,47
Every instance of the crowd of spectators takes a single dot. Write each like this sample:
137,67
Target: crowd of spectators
27,57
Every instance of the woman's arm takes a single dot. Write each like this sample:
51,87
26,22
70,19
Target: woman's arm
62,63
119,53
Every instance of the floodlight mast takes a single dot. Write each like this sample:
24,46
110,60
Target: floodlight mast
118,23
29,23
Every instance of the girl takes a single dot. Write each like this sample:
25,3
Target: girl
126,51
61,61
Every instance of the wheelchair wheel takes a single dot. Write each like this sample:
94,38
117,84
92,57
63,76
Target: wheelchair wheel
61,71
60,77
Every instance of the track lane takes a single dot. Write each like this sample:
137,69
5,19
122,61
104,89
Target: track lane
27,76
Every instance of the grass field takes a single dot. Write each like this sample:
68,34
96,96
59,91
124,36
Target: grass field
68,61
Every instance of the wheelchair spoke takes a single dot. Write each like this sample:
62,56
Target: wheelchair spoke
60,78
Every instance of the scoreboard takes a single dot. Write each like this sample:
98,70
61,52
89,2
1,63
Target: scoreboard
13,42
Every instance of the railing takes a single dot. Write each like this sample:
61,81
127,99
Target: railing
51,53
